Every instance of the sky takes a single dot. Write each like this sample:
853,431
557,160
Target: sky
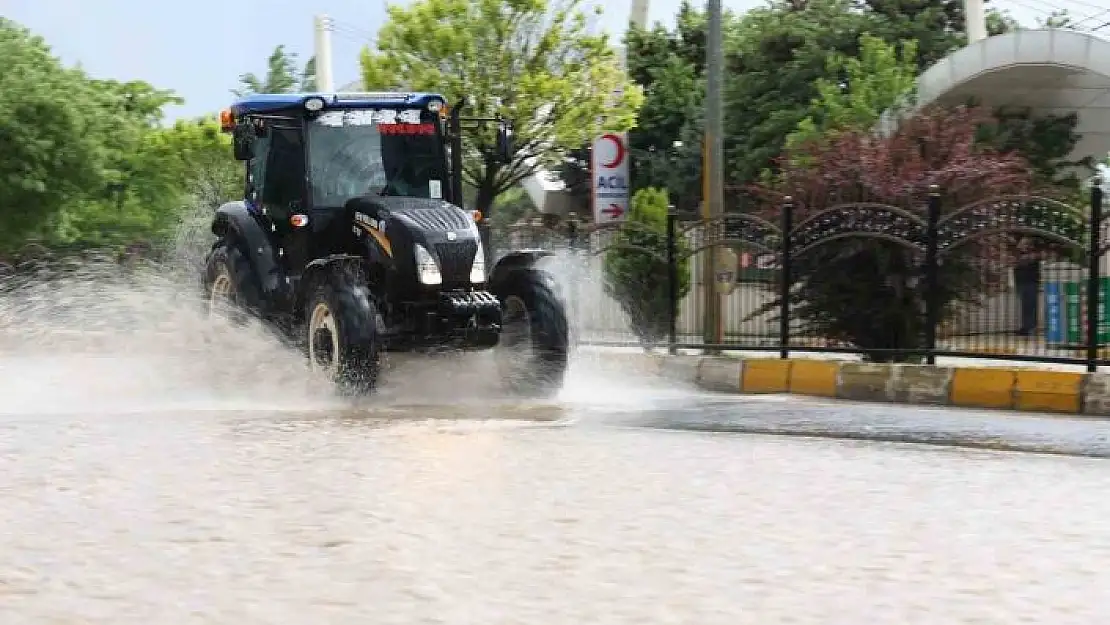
199,48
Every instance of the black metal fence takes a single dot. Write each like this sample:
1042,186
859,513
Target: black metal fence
1016,277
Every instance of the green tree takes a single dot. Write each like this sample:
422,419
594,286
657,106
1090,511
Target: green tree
859,90
534,64
670,66
574,172
282,75
193,160
132,202
775,55
125,112
88,163
511,206
673,93
171,170
775,60
1047,141
636,268
50,154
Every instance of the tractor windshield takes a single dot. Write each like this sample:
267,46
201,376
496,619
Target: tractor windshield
384,152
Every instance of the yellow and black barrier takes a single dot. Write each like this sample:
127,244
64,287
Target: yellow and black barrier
1005,388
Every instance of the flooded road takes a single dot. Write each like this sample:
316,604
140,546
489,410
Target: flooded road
601,507
158,469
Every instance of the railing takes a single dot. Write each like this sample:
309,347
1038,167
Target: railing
1013,277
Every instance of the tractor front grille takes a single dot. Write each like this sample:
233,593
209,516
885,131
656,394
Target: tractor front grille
455,260
432,217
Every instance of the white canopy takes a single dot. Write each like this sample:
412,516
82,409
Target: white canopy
1052,71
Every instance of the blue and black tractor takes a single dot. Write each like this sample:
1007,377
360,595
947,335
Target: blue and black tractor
352,239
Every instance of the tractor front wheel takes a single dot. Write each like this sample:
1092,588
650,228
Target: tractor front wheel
342,334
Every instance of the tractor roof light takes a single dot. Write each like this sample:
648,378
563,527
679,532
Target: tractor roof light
314,104
435,106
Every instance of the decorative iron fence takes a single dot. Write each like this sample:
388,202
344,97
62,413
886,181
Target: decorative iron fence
1017,277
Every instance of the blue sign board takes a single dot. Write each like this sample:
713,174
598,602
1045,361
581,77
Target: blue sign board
1054,312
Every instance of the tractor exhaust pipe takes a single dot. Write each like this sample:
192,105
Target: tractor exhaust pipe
456,153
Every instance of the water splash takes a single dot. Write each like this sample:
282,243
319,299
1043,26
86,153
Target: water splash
94,337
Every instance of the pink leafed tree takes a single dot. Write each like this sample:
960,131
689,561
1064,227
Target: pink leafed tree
860,200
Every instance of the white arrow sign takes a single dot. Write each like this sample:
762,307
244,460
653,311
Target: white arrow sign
609,173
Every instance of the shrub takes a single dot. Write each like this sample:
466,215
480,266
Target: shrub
636,267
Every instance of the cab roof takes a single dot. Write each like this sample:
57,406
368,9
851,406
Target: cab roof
273,102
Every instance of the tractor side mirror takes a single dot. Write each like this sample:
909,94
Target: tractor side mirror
505,148
242,141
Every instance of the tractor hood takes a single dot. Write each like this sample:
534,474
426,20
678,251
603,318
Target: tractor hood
427,221
443,229
446,231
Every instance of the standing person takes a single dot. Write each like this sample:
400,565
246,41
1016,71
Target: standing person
1027,280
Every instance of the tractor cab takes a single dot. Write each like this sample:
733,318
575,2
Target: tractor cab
343,146
310,156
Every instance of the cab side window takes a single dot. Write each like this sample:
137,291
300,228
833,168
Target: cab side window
256,169
283,192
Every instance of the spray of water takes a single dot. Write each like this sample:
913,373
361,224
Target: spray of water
89,336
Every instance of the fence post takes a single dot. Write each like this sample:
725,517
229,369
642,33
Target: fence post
932,279
1094,275
786,224
672,283
576,263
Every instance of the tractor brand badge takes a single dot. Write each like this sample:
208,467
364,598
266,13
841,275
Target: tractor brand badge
370,222
365,224
298,221
451,236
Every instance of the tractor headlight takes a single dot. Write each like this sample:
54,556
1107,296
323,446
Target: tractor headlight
478,267
427,270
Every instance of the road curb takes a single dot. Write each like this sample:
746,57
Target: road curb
1009,388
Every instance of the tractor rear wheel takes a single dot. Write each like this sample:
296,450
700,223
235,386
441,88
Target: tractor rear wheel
533,349
342,324
231,289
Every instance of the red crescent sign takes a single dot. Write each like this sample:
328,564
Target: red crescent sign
619,145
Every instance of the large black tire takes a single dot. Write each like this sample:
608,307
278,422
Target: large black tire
342,332
230,286
533,350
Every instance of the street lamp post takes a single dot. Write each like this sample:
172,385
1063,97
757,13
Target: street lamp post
322,28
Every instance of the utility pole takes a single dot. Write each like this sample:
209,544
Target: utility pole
975,17
713,175
323,26
638,14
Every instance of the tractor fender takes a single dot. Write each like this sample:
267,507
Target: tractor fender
519,259
318,270
234,220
